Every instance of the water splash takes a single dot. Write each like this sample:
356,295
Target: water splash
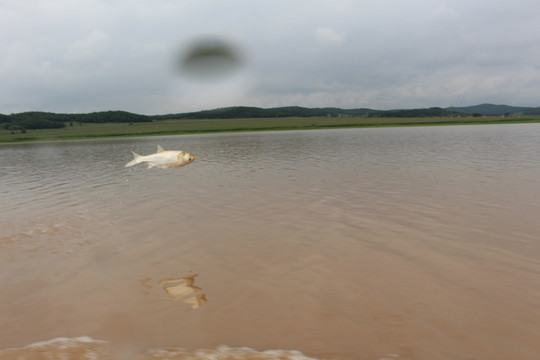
84,348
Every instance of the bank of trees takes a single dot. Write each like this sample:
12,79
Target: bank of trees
245,112
239,112
47,120
415,113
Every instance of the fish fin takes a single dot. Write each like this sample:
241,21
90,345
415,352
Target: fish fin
135,160
150,165
160,149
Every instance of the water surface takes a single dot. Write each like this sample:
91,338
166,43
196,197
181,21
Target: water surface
394,243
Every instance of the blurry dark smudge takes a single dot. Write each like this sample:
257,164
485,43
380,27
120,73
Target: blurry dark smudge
210,59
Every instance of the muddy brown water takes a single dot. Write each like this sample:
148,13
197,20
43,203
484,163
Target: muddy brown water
391,243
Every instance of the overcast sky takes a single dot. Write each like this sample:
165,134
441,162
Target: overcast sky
70,56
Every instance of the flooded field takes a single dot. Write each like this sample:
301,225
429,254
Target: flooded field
390,243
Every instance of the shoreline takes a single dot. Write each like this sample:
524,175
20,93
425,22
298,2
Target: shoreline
45,135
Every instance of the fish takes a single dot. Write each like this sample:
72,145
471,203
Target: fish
163,159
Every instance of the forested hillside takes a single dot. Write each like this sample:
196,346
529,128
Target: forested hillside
47,120
497,110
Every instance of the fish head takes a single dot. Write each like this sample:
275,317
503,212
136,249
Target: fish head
186,158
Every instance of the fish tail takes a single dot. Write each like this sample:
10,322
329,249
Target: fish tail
135,160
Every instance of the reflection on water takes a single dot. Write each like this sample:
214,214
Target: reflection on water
181,288
144,282
410,243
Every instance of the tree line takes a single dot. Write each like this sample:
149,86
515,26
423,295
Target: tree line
238,112
48,120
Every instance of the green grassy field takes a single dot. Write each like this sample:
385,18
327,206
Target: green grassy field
183,126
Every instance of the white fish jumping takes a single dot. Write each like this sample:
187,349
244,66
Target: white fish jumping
163,159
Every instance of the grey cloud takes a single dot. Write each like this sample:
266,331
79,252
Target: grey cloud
83,56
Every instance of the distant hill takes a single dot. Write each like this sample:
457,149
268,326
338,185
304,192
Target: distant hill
410,113
532,112
42,120
490,109
237,112
48,120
